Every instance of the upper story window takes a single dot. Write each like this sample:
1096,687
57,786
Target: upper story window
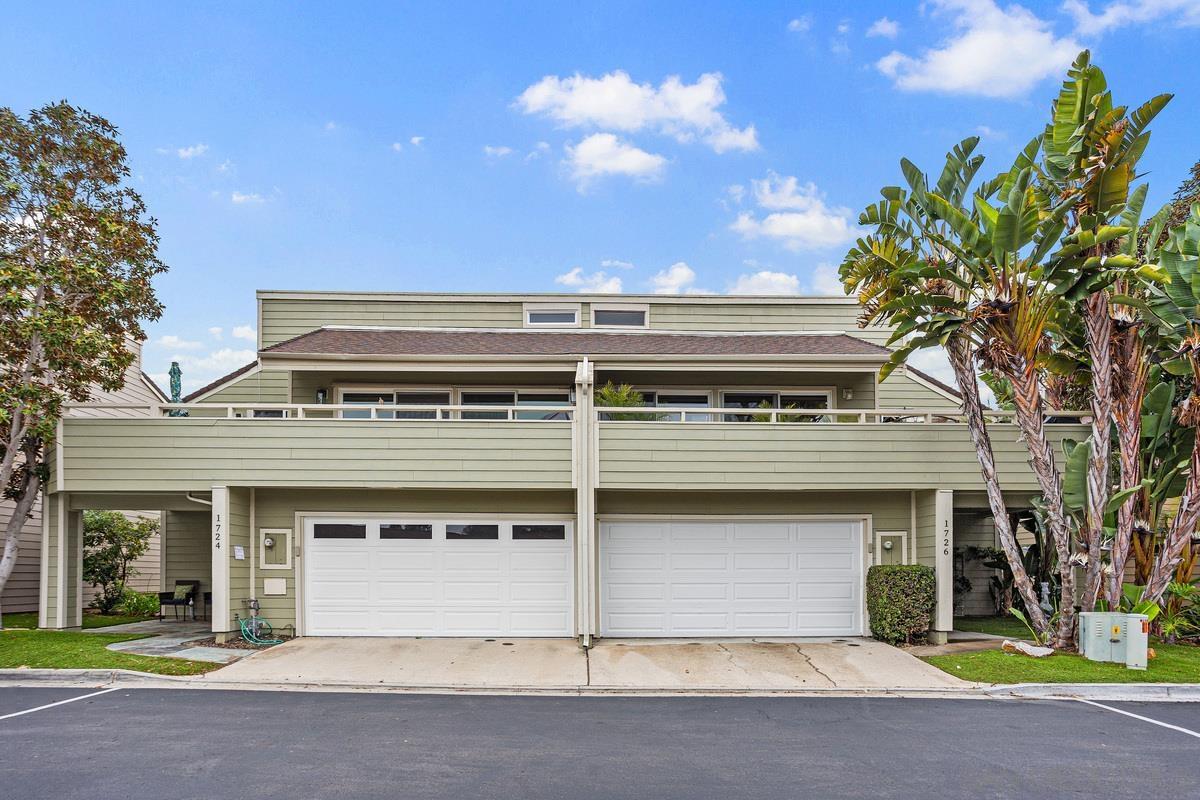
790,402
546,315
620,316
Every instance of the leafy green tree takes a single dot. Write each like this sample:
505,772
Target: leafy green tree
77,256
111,542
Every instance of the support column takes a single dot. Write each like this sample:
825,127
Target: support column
585,498
220,560
944,562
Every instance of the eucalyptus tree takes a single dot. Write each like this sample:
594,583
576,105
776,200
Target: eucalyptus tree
1090,153
914,271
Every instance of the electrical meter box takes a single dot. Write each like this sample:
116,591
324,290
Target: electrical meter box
1137,640
1109,636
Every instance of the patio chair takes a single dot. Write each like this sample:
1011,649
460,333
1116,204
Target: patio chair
184,595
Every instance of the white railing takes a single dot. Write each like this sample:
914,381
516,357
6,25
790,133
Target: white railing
347,412
836,416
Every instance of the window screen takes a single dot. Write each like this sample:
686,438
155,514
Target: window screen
614,316
390,530
563,317
338,530
539,532
472,531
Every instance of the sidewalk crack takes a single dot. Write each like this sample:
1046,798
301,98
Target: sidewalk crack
732,662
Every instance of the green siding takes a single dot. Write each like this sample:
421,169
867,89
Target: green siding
926,528
901,391
889,510
72,606
262,386
285,318
799,456
196,453
51,600
188,542
239,569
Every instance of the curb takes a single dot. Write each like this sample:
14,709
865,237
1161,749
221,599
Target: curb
92,678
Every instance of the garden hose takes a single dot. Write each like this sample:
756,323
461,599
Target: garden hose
263,626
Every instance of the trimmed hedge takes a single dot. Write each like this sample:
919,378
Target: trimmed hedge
900,599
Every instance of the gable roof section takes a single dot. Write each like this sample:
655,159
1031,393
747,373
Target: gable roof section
203,390
934,383
396,342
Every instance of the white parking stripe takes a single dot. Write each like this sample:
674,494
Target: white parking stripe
59,703
1143,719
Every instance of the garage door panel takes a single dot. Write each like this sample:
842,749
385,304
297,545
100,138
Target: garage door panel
777,578
438,587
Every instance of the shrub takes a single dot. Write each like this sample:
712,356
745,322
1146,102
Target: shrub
111,542
900,600
138,604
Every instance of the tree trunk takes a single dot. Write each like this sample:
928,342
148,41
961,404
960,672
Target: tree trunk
1027,399
959,351
1180,533
1098,323
23,504
1131,361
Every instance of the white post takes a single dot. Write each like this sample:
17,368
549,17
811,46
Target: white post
585,495
220,559
944,560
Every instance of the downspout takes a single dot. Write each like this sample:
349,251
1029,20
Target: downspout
198,499
585,514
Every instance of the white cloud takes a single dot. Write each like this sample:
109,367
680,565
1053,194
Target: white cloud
246,332
612,263
799,217
766,282
615,102
331,126
598,282
225,167
933,361
192,151
994,52
887,28
416,141
539,149
172,342
215,332
990,133
1184,13
800,24
496,151
825,281
244,198
675,279
397,147
604,154
843,27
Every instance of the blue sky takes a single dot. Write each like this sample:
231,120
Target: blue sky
552,146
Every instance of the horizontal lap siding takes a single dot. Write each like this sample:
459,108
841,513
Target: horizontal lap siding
901,391
239,569
840,317
183,454
21,591
285,319
263,386
187,539
758,455
926,528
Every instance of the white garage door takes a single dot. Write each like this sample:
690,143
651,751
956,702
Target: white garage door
422,577
731,578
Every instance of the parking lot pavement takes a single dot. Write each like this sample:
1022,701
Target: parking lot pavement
184,743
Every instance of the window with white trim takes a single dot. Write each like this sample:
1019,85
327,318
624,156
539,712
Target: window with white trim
552,315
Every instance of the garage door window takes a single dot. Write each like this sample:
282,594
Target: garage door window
405,531
472,531
539,532
337,530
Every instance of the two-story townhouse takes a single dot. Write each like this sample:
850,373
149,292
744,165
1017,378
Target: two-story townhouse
439,465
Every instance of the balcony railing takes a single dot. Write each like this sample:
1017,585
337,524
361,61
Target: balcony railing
836,416
285,411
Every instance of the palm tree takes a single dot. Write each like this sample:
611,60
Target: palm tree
1091,150
915,272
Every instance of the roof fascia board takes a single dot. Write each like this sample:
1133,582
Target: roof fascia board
468,297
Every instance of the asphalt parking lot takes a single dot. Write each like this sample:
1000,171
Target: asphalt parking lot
183,743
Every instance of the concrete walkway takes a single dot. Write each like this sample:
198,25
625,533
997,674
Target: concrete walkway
171,639
619,665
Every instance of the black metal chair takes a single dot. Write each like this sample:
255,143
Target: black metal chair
177,599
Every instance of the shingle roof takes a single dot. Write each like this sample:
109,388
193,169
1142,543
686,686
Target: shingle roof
223,379
925,376
426,342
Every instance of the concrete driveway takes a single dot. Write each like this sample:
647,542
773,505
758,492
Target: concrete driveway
560,664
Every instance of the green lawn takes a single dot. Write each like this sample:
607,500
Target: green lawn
29,620
1008,626
75,650
24,620
1174,664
